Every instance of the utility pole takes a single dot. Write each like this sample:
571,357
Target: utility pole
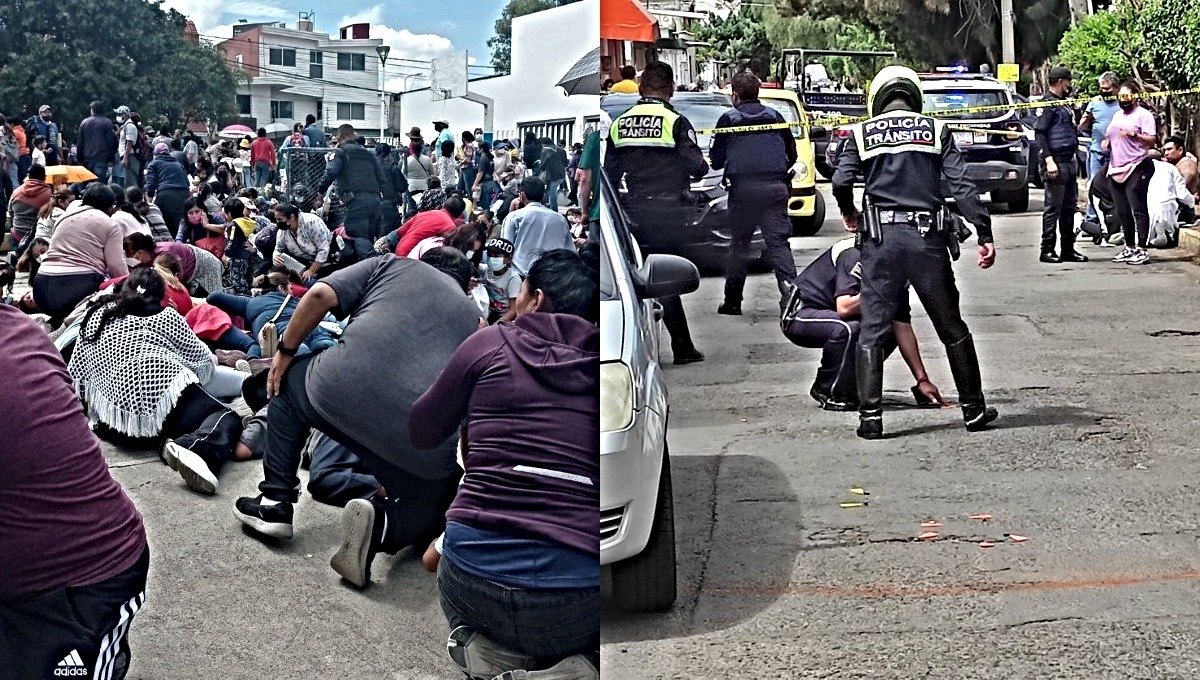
1008,47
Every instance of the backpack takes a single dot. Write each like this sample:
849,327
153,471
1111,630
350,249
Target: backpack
31,130
141,148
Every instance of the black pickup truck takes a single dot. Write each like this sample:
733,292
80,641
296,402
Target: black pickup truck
823,95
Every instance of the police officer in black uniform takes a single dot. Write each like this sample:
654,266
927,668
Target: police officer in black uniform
360,185
824,312
756,166
1057,146
904,157
653,148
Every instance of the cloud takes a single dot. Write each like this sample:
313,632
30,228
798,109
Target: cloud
405,44
208,14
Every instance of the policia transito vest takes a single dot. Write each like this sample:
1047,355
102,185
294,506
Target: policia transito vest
905,158
653,147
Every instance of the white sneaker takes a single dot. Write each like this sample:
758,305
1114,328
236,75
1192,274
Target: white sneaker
1105,244
1124,255
1117,239
1139,257
191,467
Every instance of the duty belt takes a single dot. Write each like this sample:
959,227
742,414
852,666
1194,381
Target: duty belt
904,217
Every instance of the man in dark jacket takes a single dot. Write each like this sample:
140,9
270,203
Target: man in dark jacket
553,170
95,142
167,185
757,166
360,185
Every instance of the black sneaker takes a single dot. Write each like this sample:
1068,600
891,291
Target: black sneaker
269,520
977,419
688,356
729,309
360,542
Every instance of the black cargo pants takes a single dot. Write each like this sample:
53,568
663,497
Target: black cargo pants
762,204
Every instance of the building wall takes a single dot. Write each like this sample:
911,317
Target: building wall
545,45
244,45
288,83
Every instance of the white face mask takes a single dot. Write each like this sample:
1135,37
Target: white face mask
131,262
496,263
470,254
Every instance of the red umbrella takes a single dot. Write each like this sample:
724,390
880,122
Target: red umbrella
236,132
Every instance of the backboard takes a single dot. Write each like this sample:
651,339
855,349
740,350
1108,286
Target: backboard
449,76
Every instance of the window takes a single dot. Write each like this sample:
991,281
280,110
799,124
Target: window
320,105
352,62
944,102
315,57
282,57
237,59
243,102
281,110
315,61
348,111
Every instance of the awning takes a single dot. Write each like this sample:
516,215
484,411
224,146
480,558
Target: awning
627,20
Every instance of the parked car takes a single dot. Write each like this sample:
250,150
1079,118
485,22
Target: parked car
996,150
637,518
705,239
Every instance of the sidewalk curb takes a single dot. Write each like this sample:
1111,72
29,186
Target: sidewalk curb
1189,241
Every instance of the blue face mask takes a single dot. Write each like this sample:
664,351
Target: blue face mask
496,263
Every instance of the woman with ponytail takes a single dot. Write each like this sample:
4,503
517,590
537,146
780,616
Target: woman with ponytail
143,373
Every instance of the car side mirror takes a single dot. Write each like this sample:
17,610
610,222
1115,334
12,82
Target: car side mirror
818,132
665,276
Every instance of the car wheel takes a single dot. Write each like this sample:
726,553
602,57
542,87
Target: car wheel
646,581
809,226
1017,199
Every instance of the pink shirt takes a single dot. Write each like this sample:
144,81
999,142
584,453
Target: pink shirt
1126,150
85,240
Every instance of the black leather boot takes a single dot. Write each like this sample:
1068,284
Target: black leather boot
964,366
869,376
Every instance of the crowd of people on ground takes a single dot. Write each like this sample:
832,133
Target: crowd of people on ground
192,309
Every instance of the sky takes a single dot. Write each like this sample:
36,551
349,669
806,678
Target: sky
415,29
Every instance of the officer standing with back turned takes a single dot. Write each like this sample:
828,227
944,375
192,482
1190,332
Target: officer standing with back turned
904,156
360,185
756,166
654,149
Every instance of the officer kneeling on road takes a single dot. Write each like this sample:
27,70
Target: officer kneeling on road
756,167
905,235
360,184
653,148
824,312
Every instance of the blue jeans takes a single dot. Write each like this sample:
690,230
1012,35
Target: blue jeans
552,193
1095,160
262,173
100,170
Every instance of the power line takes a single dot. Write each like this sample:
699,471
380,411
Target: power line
423,62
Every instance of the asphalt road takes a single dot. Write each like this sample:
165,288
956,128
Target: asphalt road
1092,367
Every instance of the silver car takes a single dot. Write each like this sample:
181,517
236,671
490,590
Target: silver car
637,522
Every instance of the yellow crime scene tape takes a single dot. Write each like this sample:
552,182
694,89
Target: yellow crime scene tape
839,121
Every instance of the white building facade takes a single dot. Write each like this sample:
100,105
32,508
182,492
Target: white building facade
545,45
294,72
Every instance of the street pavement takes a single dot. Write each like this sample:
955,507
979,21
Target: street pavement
221,604
1092,367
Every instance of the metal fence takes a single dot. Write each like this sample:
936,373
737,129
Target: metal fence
300,173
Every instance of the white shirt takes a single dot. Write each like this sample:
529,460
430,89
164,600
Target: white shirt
129,134
39,157
1163,195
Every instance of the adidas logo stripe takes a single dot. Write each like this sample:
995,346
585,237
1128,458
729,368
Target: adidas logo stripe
71,665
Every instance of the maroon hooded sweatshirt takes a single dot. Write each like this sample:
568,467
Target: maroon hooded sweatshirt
530,393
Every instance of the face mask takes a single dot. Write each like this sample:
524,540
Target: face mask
132,262
1128,105
281,225
195,219
496,263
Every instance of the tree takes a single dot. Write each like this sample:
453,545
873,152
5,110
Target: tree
70,52
827,33
932,32
739,39
501,43
1102,42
